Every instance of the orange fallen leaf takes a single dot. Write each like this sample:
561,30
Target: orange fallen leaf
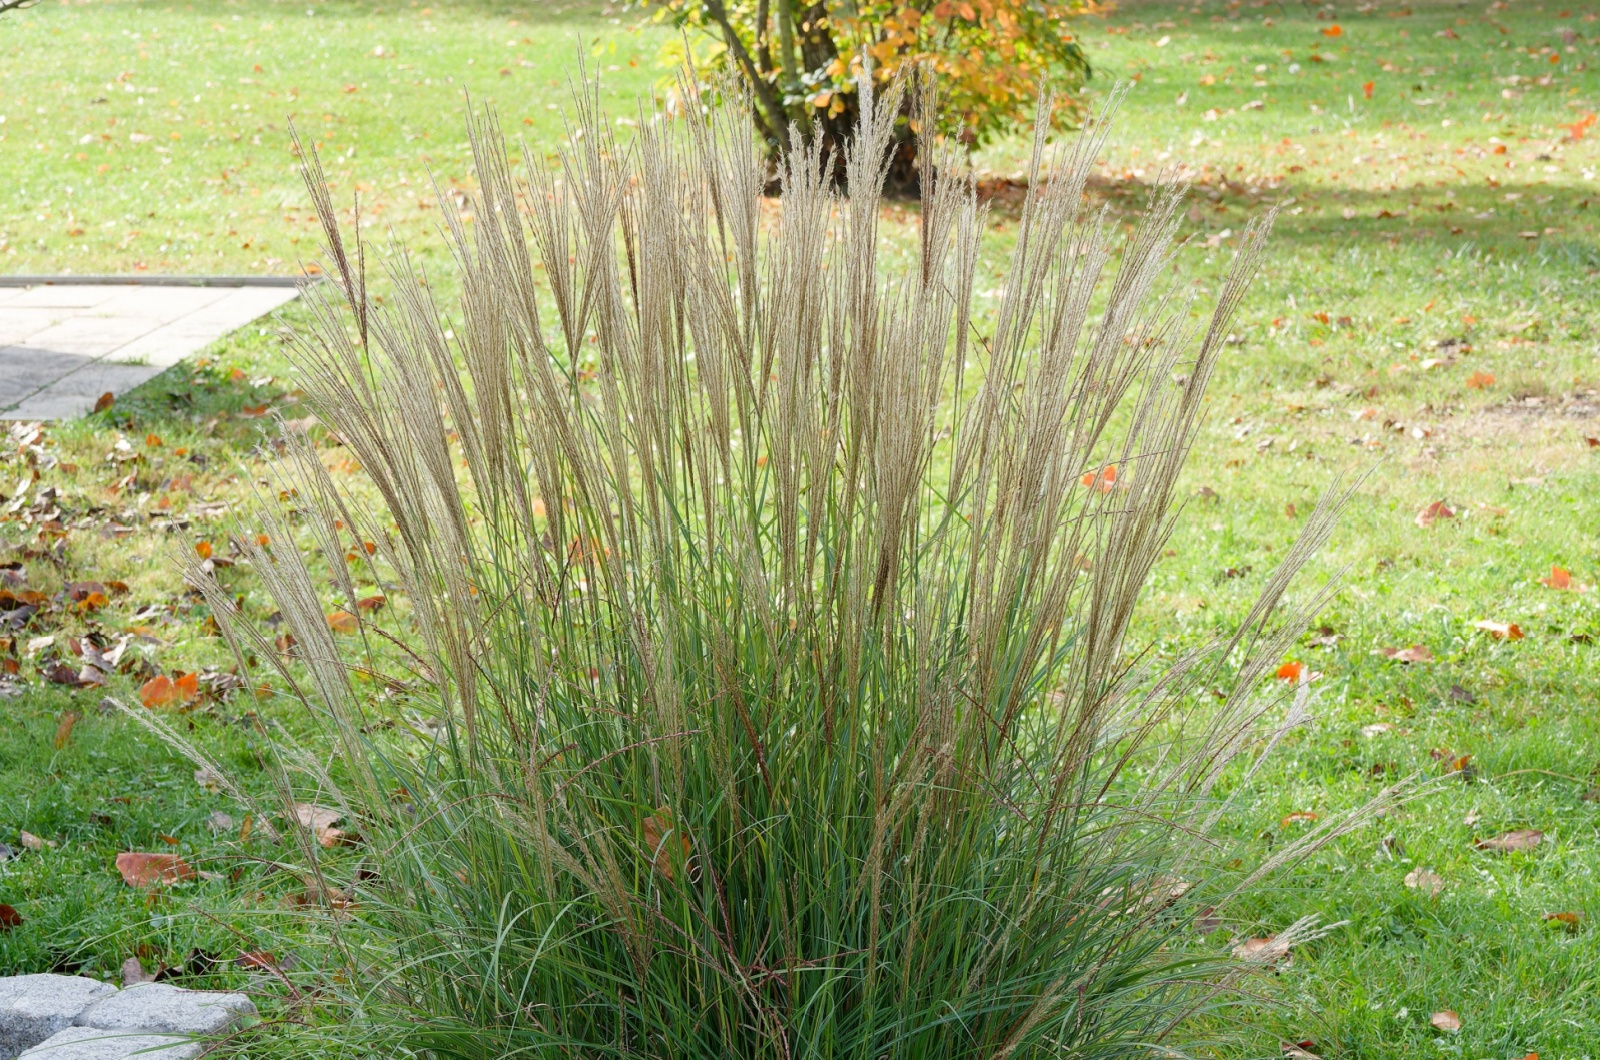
1291,671
1298,817
1367,87
1334,30
1480,380
164,691
153,441
1559,578
1105,479
1446,1021
370,603
1507,842
105,401
657,828
202,549
343,622
147,870
1414,654
1431,513
1500,630
159,691
64,728
1567,920
91,602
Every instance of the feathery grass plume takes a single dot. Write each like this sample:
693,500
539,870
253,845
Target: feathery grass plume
770,622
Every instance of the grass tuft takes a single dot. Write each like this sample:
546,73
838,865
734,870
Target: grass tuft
770,616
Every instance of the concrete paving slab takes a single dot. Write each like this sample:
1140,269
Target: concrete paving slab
93,336
34,1007
165,303
88,1043
62,346
25,371
67,296
18,324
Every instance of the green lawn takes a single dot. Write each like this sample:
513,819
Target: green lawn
1426,317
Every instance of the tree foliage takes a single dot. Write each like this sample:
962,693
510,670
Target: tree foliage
987,58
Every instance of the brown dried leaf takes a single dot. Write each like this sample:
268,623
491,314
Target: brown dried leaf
1414,654
1432,513
1446,1021
147,870
1506,842
9,917
1268,950
315,817
1425,880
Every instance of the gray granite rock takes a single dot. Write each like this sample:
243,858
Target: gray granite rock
33,1007
89,1043
159,1008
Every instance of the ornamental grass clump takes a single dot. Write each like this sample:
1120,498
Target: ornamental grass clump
766,608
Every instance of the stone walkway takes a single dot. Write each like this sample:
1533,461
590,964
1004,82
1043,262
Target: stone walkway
69,1017
62,346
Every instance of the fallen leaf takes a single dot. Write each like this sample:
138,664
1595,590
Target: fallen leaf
163,691
218,821
1105,479
315,817
64,728
105,401
1267,950
1414,654
1500,630
370,603
9,917
1559,578
1446,1021
1300,1050
208,779
32,842
1425,880
1521,839
1334,30
202,549
343,622
1480,380
657,827
1291,671
1375,729
147,870
133,973
1567,920
1432,513
258,959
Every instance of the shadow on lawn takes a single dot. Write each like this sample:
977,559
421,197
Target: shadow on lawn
1553,222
